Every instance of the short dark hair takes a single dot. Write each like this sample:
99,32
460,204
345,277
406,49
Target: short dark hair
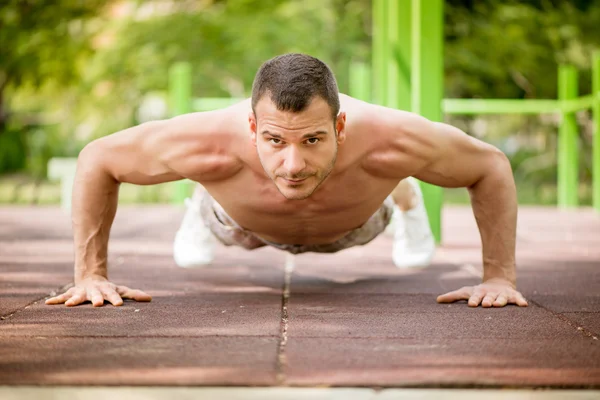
292,80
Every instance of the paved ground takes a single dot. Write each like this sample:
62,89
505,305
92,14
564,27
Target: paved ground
263,319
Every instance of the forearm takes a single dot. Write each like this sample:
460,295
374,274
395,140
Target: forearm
94,205
494,202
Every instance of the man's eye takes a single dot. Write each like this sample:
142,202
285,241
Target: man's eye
275,141
313,140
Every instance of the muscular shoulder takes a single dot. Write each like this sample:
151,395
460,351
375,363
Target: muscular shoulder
202,146
398,143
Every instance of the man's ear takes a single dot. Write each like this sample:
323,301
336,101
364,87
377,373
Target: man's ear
253,126
340,127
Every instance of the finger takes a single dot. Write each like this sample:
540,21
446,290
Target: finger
488,300
77,298
59,299
460,294
134,294
63,297
519,300
95,297
475,299
138,295
112,296
501,300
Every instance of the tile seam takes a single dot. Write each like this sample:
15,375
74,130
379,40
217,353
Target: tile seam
51,293
573,324
281,355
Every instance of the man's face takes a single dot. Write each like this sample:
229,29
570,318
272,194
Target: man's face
297,150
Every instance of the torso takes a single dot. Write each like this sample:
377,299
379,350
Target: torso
344,201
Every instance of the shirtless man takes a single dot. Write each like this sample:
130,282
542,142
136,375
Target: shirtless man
302,168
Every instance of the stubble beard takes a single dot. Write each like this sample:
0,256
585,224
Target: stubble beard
300,196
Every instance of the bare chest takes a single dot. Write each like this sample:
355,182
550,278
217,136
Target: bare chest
341,204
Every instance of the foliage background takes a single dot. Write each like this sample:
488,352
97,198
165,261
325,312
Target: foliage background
75,70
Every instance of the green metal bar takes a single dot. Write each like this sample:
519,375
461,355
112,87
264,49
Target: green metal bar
516,106
596,137
416,83
402,53
568,156
379,52
213,103
393,73
180,89
360,81
180,96
578,104
427,83
427,63
499,106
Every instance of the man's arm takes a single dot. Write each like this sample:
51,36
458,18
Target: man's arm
462,161
151,153
443,155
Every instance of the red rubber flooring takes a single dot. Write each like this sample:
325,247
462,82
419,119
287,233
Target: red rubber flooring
347,319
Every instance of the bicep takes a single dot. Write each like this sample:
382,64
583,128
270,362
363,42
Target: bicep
455,158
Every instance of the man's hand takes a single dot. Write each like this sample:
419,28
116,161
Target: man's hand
493,292
97,289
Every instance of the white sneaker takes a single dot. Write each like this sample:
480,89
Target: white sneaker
414,245
194,244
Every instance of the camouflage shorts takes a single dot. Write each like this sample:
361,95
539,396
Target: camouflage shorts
228,232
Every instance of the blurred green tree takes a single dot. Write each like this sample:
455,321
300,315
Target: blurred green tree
226,42
41,41
493,49
511,49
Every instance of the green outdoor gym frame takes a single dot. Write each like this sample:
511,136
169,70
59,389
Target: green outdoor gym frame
407,73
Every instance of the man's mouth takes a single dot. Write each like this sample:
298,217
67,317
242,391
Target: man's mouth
294,181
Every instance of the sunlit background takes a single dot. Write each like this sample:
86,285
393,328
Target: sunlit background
75,70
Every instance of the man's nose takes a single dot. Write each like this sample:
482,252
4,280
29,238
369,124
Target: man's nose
294,162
